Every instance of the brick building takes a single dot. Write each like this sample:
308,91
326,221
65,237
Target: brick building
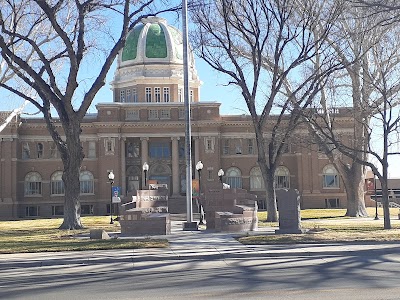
145,123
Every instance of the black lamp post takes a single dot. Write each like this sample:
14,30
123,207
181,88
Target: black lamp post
220,174
376,201
111,181
199,167
145,169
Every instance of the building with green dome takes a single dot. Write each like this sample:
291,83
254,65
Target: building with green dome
144,123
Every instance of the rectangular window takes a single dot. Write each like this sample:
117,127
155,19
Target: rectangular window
238,147
57,210
165,114
39,150
225,149
157,94
86,209
160,150
250,146
32,211
166,94
281,182
330,181
122,96
134,95
234,182
148,94
26,152
33,188
128,96
332,203
57,187
86,187
109,147
92,149
180,95
132,115
256,182
191,98
153,114
209,144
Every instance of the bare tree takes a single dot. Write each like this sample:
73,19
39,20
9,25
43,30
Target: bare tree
83,30
357,34
380,118
263,47
43,34
388,9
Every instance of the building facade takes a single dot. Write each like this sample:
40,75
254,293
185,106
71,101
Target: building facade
144,123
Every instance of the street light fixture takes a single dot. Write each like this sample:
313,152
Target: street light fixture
111,181
199,167
220,174
145,169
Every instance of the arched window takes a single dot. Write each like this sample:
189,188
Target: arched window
86,182
33,184
282,178
330,177
256,180
234,177
57,185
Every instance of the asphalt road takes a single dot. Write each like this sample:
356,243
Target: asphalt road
207,266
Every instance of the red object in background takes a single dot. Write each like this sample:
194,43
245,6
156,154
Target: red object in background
370,186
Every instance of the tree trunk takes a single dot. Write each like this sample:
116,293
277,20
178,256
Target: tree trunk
385,204
354,182
72,157
271,198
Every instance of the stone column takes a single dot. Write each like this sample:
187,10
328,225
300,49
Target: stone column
196,154
145,156
123,167
175,166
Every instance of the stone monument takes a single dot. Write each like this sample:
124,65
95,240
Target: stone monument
289,211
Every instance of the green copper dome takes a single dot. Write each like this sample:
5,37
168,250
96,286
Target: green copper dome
130,49
153,41
156,46
153,54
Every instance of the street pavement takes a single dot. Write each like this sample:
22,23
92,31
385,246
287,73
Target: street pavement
207,265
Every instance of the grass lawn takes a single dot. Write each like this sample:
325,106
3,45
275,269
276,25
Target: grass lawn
330,225
324,225
43,235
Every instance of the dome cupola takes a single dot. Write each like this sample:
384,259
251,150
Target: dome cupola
153,41
153,57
